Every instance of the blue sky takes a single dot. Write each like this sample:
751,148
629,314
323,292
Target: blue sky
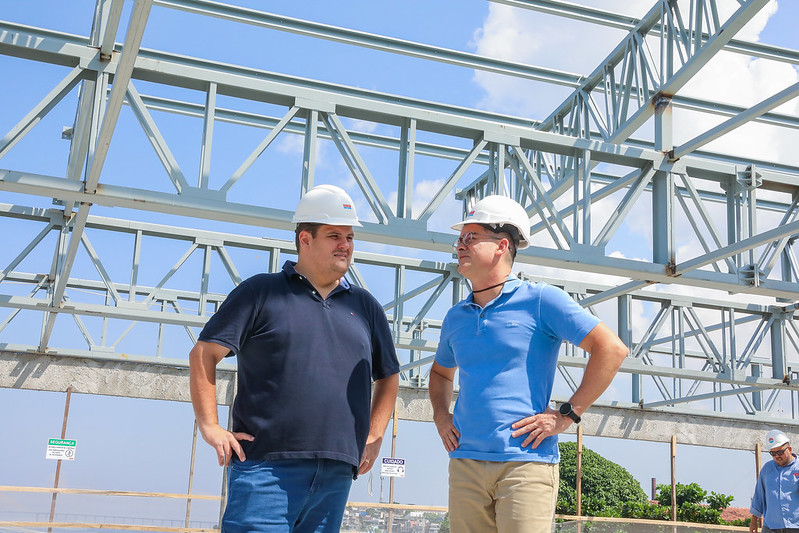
144,445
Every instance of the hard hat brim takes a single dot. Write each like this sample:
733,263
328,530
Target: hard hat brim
327,221
459,226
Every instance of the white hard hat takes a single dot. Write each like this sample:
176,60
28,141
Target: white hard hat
326,204
496,211
775,438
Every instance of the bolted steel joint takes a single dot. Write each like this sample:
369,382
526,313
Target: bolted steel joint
749,178
751,275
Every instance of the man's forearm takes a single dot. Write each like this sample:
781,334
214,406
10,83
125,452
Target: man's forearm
202,383
440,389
595,381
383,401
607,354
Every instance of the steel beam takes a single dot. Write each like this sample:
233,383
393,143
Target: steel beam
628,23
690,353
122,75
623,124
786,95
163,382
369,40
106,23
65,49
113,196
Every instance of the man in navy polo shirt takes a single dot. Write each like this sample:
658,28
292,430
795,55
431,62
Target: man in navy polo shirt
308,345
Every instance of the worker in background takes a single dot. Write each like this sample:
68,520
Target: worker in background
776,498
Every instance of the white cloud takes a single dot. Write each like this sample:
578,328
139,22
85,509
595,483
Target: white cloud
447,214
525,36
530,37
294,145
362,126
751,31
743,81
290,144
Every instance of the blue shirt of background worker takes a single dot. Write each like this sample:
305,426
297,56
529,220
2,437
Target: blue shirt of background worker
507,354
776,497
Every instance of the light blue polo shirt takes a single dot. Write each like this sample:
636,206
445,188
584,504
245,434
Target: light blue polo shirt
776,496
506,354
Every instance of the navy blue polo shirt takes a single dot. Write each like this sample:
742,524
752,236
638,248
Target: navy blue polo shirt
305,365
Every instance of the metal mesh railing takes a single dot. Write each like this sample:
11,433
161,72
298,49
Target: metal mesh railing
573,524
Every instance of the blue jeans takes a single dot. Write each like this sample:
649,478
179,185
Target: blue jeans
287,496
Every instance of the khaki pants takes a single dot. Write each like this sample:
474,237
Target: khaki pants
513,497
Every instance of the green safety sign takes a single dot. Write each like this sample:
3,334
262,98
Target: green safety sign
61,449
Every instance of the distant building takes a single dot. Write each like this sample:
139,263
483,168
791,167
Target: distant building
369,519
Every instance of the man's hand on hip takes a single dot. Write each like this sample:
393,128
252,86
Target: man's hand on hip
450,436
225,443
540,426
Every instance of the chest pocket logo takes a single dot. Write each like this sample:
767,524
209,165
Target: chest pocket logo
512,324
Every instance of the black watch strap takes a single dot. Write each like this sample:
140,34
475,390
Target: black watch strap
566,410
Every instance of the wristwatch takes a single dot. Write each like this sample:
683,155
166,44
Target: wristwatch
566,410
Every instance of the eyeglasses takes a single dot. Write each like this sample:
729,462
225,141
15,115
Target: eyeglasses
468,238
776,453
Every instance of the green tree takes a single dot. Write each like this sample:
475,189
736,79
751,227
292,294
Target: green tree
719,501
691,493
693,503
606,486
609,490
445,524
645,510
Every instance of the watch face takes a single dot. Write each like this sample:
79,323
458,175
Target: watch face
565,408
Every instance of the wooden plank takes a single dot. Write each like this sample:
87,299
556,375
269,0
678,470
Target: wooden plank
127,527
99,492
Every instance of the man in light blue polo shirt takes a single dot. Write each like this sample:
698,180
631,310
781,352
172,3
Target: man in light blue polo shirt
504,339
776,498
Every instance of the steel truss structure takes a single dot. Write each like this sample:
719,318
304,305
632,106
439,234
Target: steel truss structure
712,331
